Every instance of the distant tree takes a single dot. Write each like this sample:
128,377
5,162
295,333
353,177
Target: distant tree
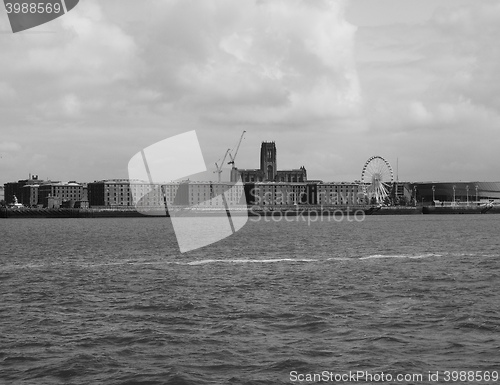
3,203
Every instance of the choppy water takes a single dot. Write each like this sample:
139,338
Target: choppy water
111,301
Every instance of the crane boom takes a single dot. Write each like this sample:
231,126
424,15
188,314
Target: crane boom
219,168
233,158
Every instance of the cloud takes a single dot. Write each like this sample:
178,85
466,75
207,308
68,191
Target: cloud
9,146
56,74
431,93
7,92
113,77
113,72
265,61
441,73
91,50
474,32
58,78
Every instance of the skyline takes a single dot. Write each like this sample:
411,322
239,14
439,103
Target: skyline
331,82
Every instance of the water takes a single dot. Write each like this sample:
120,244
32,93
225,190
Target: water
111,301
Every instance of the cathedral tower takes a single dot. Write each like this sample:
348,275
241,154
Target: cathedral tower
268,161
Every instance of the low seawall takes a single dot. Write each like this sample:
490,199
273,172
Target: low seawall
334,210
305,210
39,213
66,213
397,210
461,209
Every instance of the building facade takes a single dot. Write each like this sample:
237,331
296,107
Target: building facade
29,195
206,194
262,194
268,171
427,192
109,193
26,196
121,193
219,195
280,194
56,194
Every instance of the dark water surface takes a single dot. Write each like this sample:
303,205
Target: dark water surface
111,301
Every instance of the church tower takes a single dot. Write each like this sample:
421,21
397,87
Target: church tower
268,161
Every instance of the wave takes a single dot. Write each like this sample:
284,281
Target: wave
165,260
340,259
306,260
275,260
410,256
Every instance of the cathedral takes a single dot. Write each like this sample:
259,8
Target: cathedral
268,171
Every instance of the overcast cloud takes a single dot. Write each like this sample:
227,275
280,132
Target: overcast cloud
332,82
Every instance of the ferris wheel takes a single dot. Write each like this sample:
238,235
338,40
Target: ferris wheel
377,178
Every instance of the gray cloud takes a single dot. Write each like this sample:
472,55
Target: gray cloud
117,76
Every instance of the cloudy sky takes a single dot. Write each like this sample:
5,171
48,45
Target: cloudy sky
332,82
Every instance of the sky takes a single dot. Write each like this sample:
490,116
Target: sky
332,82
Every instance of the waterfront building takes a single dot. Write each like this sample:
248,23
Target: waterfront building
150,196
29,195
460,192
401,192
207,194
279,194
56,194
340,194
262,194
85,193
26,196
268,171
276,194
109,193
120,193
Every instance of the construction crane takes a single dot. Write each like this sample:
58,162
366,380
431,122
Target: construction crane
233,158
218,169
